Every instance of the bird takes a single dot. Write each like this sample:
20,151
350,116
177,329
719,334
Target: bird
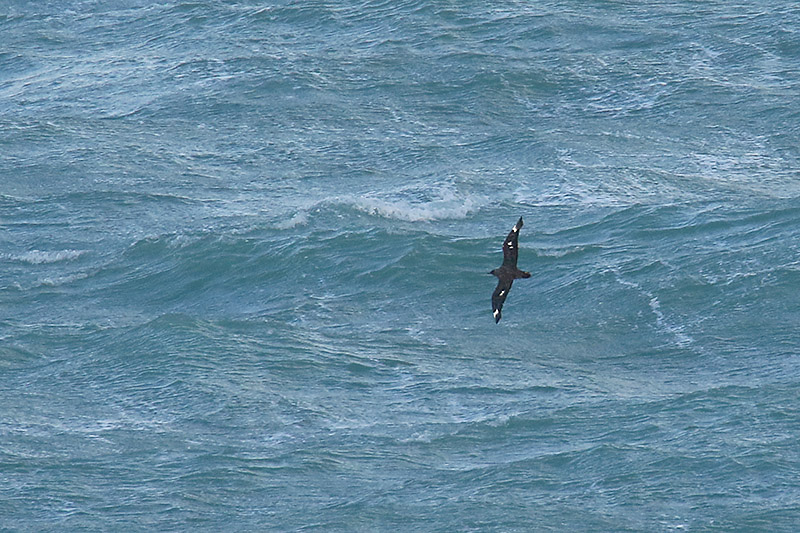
507,272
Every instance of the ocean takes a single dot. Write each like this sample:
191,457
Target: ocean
244,256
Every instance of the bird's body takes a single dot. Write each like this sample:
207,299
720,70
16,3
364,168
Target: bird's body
508,271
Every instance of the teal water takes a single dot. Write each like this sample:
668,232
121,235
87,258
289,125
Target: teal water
244,252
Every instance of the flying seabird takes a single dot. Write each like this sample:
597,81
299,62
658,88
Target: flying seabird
507,272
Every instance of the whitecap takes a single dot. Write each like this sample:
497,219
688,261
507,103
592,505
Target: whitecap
298,219
447,205
38,257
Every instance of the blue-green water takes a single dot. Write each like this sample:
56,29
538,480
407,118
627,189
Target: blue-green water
244,252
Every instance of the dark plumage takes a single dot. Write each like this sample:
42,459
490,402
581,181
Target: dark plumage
507,272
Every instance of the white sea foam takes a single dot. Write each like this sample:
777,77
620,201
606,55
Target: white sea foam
445,204
298,219
402,210
38,257
663,323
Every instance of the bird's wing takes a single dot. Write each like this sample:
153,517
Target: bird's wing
510,245
498,297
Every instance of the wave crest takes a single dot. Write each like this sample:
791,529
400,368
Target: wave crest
39,257
413,205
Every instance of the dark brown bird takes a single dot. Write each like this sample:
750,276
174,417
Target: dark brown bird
507,272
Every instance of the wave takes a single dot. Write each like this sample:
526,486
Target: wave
38,257
410,204
442,209
299,219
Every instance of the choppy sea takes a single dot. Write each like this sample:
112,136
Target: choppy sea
244,249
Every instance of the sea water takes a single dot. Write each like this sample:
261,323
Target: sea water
244,250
